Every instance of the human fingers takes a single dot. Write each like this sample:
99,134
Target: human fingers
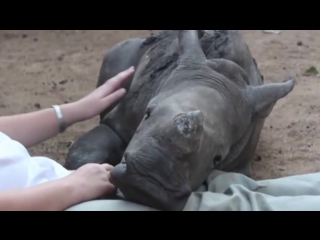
109,188
107,167
113,97
114,83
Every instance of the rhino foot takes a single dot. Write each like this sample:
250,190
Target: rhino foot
100,145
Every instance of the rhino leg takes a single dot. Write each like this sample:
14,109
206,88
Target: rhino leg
99,145
244,169
102,144
117,59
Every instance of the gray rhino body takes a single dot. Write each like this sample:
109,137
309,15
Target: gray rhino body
193,105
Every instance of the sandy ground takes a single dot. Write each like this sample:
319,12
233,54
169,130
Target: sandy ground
41,68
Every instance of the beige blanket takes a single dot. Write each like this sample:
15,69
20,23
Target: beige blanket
236,192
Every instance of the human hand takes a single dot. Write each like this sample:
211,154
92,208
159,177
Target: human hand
101,98
90,182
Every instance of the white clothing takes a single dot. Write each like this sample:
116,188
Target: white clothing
19,170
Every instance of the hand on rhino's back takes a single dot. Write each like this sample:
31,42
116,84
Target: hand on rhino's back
193,105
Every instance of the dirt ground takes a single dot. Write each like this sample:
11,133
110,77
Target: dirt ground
41,68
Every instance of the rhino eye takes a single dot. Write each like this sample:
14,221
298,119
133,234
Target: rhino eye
147,114
217,159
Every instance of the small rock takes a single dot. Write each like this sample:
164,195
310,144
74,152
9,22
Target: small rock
66,102
63,82
312,71
60,58
272,31
69,144
281,168
24,36
280,151
299,43
37,105
258,158
35,39
54,85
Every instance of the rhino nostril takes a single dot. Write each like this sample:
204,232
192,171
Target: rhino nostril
125,158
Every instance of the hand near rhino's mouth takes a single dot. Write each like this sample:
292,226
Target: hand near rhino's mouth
143,190
126,184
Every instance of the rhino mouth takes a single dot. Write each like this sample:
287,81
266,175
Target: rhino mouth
145,190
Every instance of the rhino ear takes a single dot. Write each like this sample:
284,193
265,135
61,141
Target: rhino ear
189,124
264,97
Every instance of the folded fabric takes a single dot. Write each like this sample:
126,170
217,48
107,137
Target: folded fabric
236,192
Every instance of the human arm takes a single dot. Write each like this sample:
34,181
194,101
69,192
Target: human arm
61,194
50,196
33,128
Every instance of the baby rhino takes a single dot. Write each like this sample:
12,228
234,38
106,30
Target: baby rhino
196,102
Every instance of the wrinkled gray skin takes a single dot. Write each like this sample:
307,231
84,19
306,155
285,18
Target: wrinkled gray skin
192,106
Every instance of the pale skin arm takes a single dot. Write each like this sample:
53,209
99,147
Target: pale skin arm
36,127
61,194
51,196
33,128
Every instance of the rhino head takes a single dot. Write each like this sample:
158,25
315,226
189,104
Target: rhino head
185,128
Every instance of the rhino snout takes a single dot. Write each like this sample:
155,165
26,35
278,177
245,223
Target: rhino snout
140,187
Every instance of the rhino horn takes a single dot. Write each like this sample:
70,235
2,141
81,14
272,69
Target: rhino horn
189,124
189,46
264,97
